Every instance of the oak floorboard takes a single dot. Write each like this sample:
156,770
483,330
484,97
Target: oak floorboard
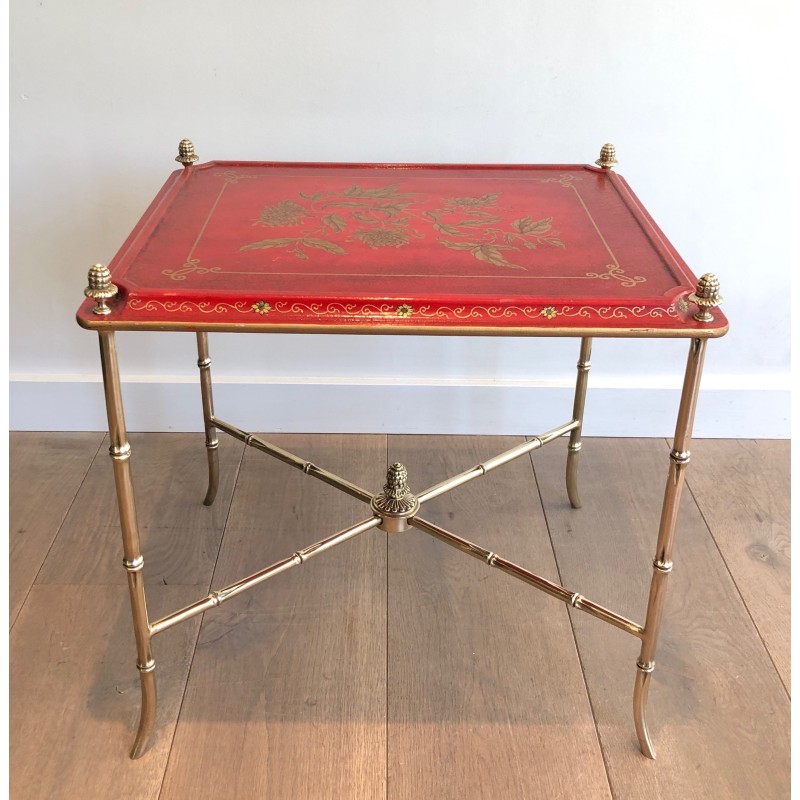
486,694
74,694
45,472
271,717
287,692
180,537
718,713
742,489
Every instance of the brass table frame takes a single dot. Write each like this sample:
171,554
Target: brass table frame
394,510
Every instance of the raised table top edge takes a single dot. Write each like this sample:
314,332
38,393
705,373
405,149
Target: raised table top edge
531,316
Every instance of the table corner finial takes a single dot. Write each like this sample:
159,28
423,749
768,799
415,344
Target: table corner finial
186,154
100,288
608,156
706,296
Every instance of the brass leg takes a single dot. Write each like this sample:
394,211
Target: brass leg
574,447
212,445
662,563
120,452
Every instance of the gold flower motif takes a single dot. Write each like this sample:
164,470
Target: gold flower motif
404,310
286,212
471,202
682,304
383,238
549,312
262,307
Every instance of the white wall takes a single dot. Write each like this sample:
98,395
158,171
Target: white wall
693,94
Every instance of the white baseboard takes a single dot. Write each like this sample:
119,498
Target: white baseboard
727,409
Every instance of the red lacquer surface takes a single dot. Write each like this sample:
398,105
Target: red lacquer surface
496,249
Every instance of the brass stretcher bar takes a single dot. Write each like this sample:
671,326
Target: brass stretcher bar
217,597
510,568
479,470
293,461
295,560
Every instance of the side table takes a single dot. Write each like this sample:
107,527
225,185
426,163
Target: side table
479,250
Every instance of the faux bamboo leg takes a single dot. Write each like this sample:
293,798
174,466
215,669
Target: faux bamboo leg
212,444
574,446
133,562
662,563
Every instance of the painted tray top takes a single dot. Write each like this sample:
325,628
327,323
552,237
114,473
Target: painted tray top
537,250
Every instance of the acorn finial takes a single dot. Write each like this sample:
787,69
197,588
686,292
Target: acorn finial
186,154
608,156
396,502
396,481
706,296
100,288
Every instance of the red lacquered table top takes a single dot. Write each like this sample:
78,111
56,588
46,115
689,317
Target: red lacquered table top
351,248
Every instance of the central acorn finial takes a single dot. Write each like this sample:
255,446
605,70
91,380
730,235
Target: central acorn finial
396,502
397,481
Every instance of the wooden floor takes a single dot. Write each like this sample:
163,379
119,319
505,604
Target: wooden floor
394,666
